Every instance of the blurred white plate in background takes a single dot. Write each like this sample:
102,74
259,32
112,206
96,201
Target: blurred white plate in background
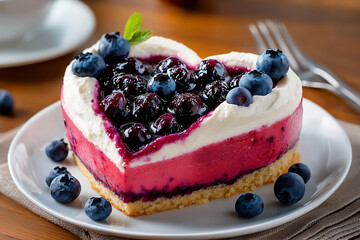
69,24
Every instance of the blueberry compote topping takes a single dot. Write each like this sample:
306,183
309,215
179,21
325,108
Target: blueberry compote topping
147,107
168,63
147,99
166,124
215,93
181,76
130,65
135,135
187,108
131,85
163,85
115,105
211,70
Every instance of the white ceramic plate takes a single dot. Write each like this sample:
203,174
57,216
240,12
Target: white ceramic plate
69,24
324,147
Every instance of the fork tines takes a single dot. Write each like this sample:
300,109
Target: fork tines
269,34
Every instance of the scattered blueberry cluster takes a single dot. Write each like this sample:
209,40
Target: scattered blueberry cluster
65,188
271,67
289,188
148,99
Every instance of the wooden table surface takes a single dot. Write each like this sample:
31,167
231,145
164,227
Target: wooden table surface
327,31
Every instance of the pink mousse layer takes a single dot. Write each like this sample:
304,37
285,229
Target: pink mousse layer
220,162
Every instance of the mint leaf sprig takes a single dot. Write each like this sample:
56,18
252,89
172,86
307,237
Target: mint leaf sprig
132,32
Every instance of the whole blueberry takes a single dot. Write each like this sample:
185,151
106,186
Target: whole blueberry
211,70
302,170
273,63
130,65
88,65
235,81
249,205
130,85
57,150
258,83
65,188
97,208
147,107
54,173
106,81
215,93
198,82
135,135
115,106
181,76
166,124
6,102
187,106
289,188
162,85
113,47
239,96
167,63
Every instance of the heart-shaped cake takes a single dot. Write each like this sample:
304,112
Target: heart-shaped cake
157,128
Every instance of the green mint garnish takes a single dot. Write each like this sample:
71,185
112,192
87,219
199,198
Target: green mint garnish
140,36
132,32
133,24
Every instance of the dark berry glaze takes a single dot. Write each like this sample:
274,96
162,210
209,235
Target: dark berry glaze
235,71
155,59
147,107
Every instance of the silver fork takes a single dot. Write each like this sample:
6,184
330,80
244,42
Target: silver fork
273,35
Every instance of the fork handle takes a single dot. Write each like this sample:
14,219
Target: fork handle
350,95
341,88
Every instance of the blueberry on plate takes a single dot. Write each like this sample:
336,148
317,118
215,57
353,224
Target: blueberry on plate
273,63
65,188
162,85
239,96
113,47
6,102
88,65
258,83
57,150
54,173
97,208
249,205
302,170
289,188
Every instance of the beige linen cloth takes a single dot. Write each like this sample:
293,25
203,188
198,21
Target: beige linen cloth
337,218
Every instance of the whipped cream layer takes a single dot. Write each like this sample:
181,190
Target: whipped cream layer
226,121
